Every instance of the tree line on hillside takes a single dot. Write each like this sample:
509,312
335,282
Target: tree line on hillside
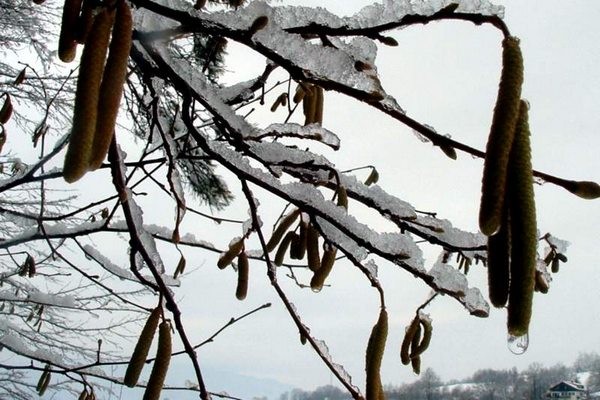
484,384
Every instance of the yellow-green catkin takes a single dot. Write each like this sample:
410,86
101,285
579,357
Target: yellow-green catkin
319,103
113,80
319,276
523,229
374,356
283,248
140,353
408,339
281,100
283,226
300,92
416,364
501,137
161,363
312,248
423,345
372,178
232,252
342,197
85,110
309,104
498,263
416,339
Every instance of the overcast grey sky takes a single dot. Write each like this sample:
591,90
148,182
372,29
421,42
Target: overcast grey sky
444,74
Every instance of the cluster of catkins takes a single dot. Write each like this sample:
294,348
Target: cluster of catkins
104,29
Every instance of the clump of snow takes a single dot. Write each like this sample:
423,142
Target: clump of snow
387,204
475,303
107,264
372,267
52,299
447,278
559,245
311,131
444,231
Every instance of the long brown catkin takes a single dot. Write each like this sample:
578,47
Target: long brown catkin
523,230
140,353
498,263
283,226
309,104
67,44
232,252
241,290
427,329
408,338
319,276
501,136
111,88
85,21
161,364
312,248
283,248
302,240
85,111
319,102
374,356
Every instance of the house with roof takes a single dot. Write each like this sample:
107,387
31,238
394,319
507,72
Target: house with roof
567,390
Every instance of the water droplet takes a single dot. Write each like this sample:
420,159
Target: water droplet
316,289
518,344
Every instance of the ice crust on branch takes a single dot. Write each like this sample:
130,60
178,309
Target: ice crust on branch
124,273
53,230
394,10
444,231
396,247
311,131
379,13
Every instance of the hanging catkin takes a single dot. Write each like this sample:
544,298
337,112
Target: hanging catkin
111,88
501,137
161,363
319,276
67,43
283,226
523,231
374,356
232,252
85,110
140,353
241,290
498,262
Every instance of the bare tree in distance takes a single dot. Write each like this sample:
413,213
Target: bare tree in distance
68,302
